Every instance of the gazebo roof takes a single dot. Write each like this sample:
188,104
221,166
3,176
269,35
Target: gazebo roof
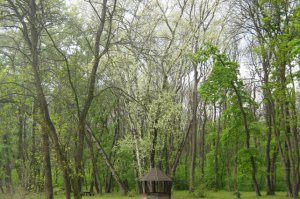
155,174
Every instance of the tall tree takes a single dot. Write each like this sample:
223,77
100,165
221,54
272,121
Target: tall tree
217,82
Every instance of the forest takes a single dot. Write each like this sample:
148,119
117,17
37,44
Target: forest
94,93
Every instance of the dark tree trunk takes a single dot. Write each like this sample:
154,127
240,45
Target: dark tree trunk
47,164
284,160
272,107
95,181
107,161
247,131
8,164
292,150
287,176
67,183
108,181
33,159
137,164
236,164
179,151
31,30
1,188
79,154
166,155
98,184
82,114
21,166
273,169
153,147
217,140
269,182
228,168
194,129
202,142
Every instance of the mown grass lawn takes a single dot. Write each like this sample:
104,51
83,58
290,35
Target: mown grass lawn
176,195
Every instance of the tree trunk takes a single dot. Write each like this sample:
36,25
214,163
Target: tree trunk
194,129
95,179
293,162
228,168
284,160
1,188
98,184
153,147
202,142
107,161
8,165
247,131
217,140
179,151
273,169
236,164
136,152
79,154
274,123
21,165
91,86
108,181
294,126
269,183
31,35
33,159
47,164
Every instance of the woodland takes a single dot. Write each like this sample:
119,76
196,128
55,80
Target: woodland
94,93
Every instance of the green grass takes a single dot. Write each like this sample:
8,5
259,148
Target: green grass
175,195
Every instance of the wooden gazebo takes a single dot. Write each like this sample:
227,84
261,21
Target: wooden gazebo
156,185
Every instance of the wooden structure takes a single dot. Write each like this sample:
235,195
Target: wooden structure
156,185
87,193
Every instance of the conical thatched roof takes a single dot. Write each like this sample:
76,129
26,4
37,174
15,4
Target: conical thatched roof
155,174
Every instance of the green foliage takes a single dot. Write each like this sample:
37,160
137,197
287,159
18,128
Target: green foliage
259,129
204,54
294,44
143,83
165,109
209,170
199,191
244,160
131,194
223,75
180,182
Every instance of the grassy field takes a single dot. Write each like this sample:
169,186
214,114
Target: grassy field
176,195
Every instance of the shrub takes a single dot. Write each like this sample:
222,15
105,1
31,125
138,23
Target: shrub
131,194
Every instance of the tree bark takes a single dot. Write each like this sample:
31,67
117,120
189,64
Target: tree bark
107,161
153,146
33,159
217,140
108,181
179,151
32,40
94,178
269,182
194,129
21,165
247,131
8,165
202,142
47,165
235,167
92,82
